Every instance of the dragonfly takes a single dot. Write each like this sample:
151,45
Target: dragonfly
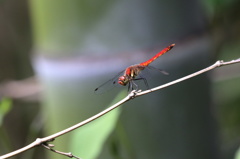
132,73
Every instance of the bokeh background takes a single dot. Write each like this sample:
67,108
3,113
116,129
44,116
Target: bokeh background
53,54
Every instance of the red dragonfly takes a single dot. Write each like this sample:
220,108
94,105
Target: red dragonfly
131,73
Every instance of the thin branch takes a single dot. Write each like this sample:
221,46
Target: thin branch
49,147
215,65
133,94
40,141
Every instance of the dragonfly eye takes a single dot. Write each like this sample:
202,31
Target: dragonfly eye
122,80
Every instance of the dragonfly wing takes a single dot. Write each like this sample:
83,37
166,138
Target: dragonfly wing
160,70
108,85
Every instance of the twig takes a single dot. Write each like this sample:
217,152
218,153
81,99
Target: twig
49,147
215,65
39,141
133,94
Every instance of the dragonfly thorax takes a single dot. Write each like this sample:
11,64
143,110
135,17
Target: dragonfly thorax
129,74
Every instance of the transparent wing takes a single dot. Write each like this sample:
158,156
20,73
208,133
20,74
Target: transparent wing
157,69
108,85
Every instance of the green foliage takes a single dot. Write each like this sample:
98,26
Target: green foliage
212,5
5,107
237,156
88,141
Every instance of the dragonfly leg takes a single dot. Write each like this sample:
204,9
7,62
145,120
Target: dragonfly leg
130,86
134,84
145,81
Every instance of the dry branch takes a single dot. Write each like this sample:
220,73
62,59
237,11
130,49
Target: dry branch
133,94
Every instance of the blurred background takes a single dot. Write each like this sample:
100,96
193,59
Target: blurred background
54,54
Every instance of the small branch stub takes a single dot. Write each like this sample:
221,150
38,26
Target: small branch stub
49,147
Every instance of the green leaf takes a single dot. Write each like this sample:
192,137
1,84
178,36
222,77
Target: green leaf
237,155
87,142
5,107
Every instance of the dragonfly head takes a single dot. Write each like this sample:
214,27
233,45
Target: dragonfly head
123,80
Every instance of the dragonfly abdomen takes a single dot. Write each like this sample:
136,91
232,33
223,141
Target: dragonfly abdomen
146,63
